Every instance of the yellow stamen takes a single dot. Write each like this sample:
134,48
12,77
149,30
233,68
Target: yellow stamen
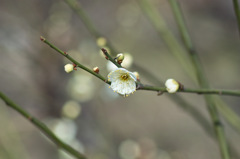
124,76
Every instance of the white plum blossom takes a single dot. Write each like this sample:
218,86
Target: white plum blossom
171,85
122,81
69,68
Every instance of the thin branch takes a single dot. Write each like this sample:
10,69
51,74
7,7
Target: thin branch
176,98
80,12
201,80
141,86
42,127
197,91
161,28
197,116
72,60
231,117
108,57
237,13
77,8
181,24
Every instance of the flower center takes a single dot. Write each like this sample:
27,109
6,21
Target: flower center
124,76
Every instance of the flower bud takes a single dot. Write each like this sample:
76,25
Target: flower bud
137,75
120,58
96,69
69,68
172,86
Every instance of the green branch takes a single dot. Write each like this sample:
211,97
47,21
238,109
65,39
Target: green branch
195,114
141,86
108,57
42,127
237,13
197,91
80,12
192,111
231,117
77,8
161,28
211,105
72,60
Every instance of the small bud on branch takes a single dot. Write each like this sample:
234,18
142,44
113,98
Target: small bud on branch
96,69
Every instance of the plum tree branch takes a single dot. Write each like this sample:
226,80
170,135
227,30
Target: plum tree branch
202,80
42,127
141,86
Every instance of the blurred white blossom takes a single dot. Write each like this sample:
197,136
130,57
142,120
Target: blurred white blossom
129,149
71,109
101,41
81,86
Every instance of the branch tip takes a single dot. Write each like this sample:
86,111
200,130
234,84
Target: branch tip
104,50
105,53
42,38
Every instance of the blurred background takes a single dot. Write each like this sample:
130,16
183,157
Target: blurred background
81,109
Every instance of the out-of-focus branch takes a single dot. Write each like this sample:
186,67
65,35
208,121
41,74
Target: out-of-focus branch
42,127
76,6
202,80
168,38
231,117
237,13
191,110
